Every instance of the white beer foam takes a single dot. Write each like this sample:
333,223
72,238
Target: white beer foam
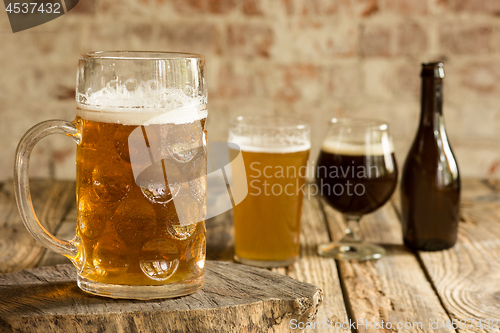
341,148
274,150
137,116
259,145
145,104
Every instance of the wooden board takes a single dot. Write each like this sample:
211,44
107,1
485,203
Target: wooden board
319,271
393,289
66,230
235,298
310,268
51,201
220,237
467,276
460,283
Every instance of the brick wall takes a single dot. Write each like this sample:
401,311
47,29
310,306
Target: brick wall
312,58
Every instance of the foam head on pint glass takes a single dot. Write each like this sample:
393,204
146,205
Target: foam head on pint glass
275,151
141,174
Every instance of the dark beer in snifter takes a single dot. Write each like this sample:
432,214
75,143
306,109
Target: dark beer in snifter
356,173
430,184
354,181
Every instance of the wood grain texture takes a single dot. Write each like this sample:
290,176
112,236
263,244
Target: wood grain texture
398,288
220,237
51,201
310,268
319,271
467,276
66,230
235,298
392,289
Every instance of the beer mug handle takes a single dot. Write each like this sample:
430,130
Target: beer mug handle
22,189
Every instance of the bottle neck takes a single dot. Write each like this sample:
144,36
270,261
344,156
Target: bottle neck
432,102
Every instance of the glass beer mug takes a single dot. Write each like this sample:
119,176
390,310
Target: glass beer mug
141,175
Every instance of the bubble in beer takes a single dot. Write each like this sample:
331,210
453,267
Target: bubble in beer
182,151
135,221
91,221
159,192
183,142
110,255
188,214
195,253
181,232
108,181
154,184
159,259
168,222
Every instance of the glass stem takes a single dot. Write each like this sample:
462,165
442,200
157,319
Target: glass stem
352,229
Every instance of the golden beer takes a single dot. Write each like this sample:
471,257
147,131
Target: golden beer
267,221
275,151
141,174
129,228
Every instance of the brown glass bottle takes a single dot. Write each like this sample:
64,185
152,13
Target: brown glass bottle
430,184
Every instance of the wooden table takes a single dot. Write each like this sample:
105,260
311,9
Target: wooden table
412,292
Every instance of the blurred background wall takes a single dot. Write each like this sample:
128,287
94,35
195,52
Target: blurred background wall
310,58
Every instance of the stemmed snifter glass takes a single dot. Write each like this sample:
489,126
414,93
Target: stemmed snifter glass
356,173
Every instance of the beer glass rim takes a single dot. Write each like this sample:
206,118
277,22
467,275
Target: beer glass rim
270,121
360,123
140,55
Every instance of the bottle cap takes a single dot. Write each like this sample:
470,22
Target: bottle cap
433,69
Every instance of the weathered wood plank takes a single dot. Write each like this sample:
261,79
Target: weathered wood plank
467,276
66,230
310,268
479,190
235,298
319,271
393,289
220,239
51,201
493,184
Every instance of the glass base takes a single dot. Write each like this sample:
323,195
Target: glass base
351,251
265,263
140,292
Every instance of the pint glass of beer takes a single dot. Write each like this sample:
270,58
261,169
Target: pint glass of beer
141,175
275,151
